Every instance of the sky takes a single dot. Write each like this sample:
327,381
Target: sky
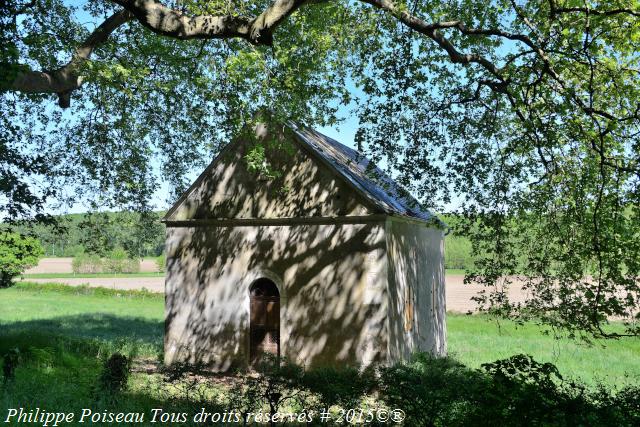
343,132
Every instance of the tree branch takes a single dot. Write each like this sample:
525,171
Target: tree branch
161,20
65,80
604,12
432,31
175,24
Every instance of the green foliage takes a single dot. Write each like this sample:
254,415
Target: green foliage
140,234
161,263
96,234
86,263
10,361
515,391
342,386
457,253
17,253
118,261
279,381
54,289
115,375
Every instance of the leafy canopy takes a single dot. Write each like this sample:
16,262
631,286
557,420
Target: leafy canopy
17,253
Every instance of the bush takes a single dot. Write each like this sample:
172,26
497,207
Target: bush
343,386
17,253
279,381
517,391
9,363
119,262
431,391
161,263
86,264
131,266
115,374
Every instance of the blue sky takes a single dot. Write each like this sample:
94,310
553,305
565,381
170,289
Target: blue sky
343,132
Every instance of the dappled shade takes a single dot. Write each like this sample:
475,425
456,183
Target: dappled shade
344,270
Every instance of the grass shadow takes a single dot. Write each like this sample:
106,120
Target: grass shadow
117,331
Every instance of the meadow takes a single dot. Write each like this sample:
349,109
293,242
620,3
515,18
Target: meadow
64,335
133,321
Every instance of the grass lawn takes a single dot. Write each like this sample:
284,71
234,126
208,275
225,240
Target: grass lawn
133,321
113,318
477,339
66,333
88,275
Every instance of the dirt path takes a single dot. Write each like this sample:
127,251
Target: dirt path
458,294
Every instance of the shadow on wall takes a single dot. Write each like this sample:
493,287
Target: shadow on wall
325,270
417,301
288,182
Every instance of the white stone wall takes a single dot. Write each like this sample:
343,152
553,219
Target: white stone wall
332,281
416,318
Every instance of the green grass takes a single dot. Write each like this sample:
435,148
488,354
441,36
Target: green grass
448,271
476,339
65,334
134,319
110,317
88,275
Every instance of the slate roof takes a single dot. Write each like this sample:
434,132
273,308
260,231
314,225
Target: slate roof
367,178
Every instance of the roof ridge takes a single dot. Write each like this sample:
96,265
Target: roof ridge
356,168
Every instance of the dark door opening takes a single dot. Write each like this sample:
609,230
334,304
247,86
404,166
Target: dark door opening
264,325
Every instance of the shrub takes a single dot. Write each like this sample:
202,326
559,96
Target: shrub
278,381
86,264
17,253
9,363
115,374
119,262
187,381
131,266
517,391
161,263
343,386
431,391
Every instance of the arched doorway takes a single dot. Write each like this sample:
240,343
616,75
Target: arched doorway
264,325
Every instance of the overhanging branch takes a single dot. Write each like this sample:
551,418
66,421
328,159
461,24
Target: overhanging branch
161,20
66,79
176,24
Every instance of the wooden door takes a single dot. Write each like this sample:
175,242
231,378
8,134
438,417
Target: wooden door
264,320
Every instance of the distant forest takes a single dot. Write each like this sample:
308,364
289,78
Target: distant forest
140,234
143,235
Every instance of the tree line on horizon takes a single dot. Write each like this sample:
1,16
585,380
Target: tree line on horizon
143,235
100,233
